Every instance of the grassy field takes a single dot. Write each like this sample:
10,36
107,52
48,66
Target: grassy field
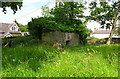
46,61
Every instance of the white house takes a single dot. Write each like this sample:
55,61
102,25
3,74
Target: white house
100,33
9,30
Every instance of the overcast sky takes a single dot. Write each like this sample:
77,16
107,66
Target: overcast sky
30,10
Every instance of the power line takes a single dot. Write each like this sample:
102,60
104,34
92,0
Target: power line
30,12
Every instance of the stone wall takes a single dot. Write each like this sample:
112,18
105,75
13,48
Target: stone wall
64,38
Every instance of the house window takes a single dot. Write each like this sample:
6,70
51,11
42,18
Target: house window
13,28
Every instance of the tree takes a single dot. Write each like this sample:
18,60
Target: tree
70,14
106,14
65,17
38,26
15,6
45,11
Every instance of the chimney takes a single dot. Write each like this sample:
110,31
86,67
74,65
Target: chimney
95,29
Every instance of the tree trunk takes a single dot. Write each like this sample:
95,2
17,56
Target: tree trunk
111,34
115,18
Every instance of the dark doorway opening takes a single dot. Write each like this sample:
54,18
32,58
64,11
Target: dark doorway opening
68,42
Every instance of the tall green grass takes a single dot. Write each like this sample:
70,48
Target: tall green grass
46,61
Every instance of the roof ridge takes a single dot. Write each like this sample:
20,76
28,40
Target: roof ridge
6,23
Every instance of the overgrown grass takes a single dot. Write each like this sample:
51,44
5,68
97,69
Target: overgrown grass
46,61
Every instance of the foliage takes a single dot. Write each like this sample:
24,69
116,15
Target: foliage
94,38
46,61
103,13
64,19
106,14
68,12
44,24
23,28
83,33
39,25
21,40
13,5
45,11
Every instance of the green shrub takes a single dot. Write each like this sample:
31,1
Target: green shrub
94,38
21,40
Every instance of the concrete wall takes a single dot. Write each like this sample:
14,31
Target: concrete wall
64,38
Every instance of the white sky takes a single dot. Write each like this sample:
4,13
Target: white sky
32,9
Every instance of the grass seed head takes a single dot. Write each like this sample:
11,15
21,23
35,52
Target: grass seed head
90,54
13,59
